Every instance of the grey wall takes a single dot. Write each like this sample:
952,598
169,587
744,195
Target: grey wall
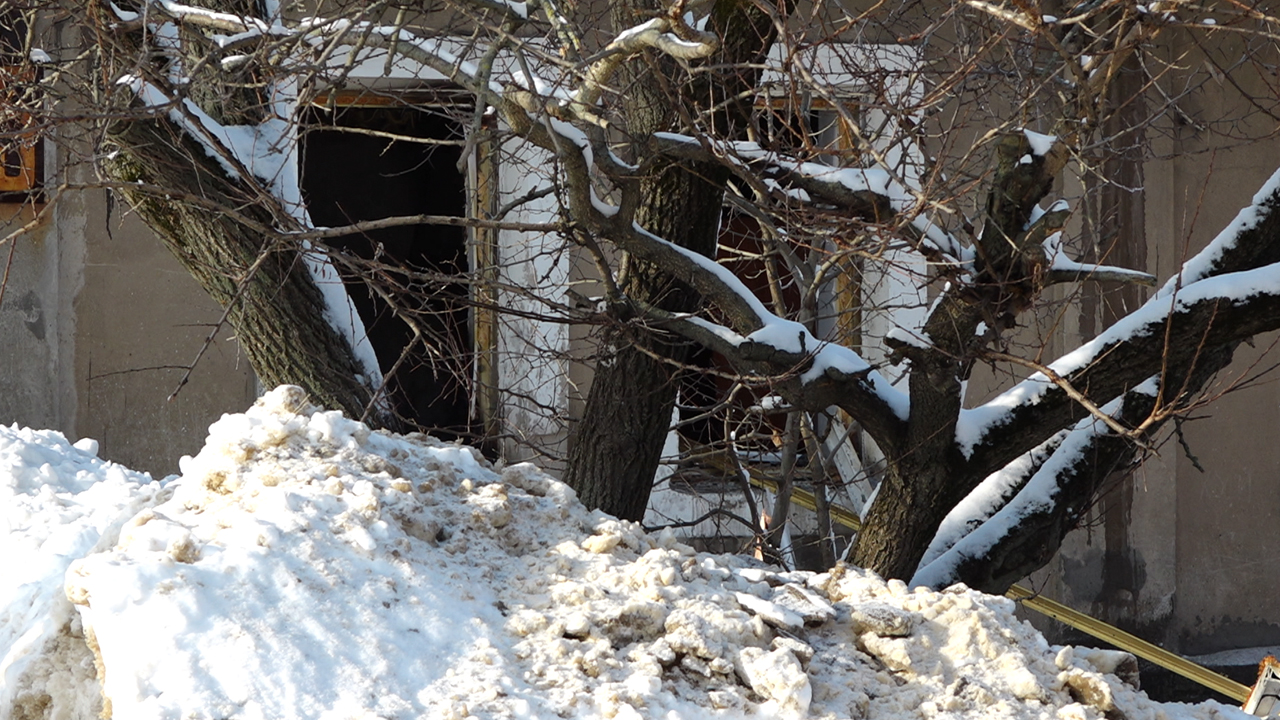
95,317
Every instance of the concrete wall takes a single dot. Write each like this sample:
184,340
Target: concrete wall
1225,568
95,320
1180,553
35,322
141,320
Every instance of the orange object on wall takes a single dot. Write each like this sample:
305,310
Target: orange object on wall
19,150
19,166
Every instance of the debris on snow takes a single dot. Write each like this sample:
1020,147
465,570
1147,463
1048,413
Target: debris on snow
306,567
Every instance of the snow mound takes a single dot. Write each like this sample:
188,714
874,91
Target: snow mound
58,502
306,567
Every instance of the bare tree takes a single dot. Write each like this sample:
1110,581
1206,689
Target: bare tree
890,172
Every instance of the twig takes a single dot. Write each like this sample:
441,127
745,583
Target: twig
4,280
1068,388
713,512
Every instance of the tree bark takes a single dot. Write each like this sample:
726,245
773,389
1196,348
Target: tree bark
919,487
276,311
274,308
1109,458
617,443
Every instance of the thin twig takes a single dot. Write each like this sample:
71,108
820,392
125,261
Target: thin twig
1067,387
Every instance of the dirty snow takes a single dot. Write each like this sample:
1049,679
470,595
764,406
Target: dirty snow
58,503
305,567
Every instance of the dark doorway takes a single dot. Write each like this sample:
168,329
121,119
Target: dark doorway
350,176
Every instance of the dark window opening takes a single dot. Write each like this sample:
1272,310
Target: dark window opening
349,177
708,404
816,133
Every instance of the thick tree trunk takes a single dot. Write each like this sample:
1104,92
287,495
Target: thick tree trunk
275,309
919,487
898,529
277,312
617,443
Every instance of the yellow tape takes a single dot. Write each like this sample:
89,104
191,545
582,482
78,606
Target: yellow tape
1058,611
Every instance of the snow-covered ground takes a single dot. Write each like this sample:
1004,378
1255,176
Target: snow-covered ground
305,567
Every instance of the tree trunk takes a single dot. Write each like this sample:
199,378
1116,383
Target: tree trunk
275,309
617,443
898,529
277,312
919,487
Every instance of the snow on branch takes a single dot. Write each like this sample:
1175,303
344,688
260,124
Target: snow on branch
656,33
1059,268
1063,269
1208,309
992,494
827,374
1039,495
886,192
210,19
761,337
978,425
255,148
871,193
1237,247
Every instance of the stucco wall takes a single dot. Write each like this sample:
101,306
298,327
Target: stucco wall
95,319
1179,554
34,324
140,319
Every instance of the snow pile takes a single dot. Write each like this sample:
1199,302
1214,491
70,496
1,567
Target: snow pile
305,567
58,502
